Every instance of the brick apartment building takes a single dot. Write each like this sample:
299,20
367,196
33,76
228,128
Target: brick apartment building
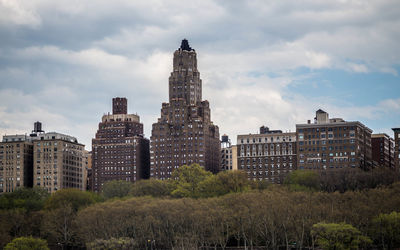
333,143
397,147
382,151
119,149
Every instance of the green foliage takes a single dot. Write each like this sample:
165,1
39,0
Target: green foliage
151,187
30,199
71,197
119,189
260,185
273,218
338,236
27,243
303,180
386,230
186,179
113,243
224,183
347,179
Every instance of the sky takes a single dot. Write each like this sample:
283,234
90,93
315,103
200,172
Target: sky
271,63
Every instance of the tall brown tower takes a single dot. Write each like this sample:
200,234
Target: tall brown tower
119,150
184,134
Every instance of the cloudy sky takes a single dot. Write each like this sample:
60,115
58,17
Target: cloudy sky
262,62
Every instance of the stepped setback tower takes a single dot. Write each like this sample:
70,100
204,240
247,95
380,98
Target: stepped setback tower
119,151
185,133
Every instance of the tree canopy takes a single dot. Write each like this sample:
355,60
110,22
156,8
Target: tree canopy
31,199
27,243
337,236
71,197
116,188
186,180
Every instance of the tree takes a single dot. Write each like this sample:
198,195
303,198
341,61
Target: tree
72,197
186,179
386,229
113,243
61,209
31,199
338,236
234,181
152,187
224,183
27,243
116,188
59,226
303,179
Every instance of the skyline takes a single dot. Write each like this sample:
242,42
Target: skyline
262,63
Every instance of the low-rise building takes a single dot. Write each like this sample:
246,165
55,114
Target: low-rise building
16,169
58,162
333,143
382,150
228,154
397,147
270,155
49,160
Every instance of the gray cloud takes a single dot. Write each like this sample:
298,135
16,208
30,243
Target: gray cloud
62,62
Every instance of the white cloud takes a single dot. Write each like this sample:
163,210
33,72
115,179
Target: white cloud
359,68
18,13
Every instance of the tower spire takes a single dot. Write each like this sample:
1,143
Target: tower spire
185,45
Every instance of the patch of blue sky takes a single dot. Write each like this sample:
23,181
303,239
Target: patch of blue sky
356,88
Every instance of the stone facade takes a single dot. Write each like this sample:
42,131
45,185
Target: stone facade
228,155
59,161
268,156
16,169
184,134
49,160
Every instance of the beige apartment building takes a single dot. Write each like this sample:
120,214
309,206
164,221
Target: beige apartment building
59,161
49,160
228,155
15,162
270,155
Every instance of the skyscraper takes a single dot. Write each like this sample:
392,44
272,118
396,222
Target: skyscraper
119,151
185,133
